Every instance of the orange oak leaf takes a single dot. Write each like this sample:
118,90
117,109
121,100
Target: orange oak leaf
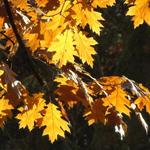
32,41
96,113
111,80
54,124
67,91
67,95
21,4
1,22
142,102
70,93
118,99
41,3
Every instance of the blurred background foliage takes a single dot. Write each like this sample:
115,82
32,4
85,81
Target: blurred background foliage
121,51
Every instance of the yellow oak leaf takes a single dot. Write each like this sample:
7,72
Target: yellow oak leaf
118,99
63,47
78,15
37,99
5,111
93,18
5,107
84,47
85,15
54,123
56,22
31,112
62,80
102,3
28,118
140,12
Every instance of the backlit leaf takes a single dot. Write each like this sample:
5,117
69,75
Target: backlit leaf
140,12
63,47
118,99
54,124
84,47
102,3
31,112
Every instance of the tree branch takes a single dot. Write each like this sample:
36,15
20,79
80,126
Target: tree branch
21,43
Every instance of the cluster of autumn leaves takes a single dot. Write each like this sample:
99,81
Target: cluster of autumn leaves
47,25
55,32
105,100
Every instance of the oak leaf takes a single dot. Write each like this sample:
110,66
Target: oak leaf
41,3
102,3
31,112
28,118
93,18
142,102
21,4
84,47
96,113
63,47
118,99
71,93
140,12
32,41
67,92
5,107
54,124
5,110
86,15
